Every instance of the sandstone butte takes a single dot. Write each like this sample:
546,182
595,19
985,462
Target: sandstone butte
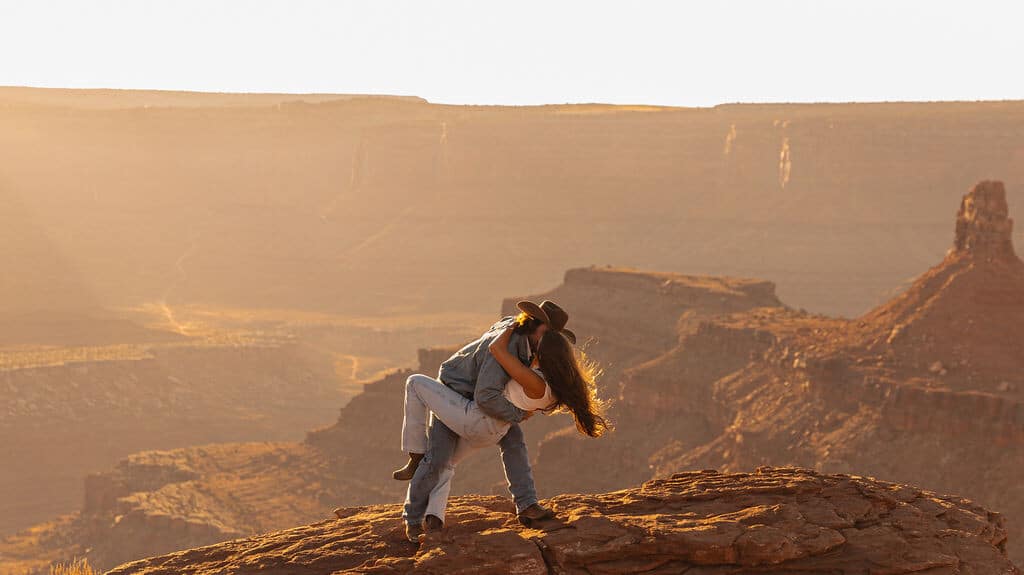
773,520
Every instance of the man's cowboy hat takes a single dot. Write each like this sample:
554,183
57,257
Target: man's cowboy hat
549,313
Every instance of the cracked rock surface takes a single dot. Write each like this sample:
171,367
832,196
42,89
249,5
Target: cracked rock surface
773,520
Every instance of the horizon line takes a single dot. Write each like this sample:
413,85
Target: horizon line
462,104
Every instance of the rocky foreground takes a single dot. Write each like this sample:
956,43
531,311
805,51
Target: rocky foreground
774,520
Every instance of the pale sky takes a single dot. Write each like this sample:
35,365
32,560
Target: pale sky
683,53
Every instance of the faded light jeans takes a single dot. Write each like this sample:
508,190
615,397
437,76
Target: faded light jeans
457,429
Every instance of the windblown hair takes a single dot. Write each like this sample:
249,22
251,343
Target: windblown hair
572,377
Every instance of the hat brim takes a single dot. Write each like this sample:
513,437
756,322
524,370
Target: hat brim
569,335
534,310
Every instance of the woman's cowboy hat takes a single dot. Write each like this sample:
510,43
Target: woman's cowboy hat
549,313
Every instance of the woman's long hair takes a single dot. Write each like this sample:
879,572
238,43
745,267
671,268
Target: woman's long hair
572,377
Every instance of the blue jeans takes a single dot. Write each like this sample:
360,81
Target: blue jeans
430,485
427,397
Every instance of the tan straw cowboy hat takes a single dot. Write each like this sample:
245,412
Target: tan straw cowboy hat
551,314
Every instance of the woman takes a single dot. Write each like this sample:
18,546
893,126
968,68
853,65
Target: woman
556,380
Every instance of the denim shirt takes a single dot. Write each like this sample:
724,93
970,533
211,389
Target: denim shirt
473,370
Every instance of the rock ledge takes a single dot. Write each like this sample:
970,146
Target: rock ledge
774,520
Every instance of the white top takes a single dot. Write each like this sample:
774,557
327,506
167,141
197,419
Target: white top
517,395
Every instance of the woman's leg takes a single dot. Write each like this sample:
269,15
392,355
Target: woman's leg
439,495
424,394
414,421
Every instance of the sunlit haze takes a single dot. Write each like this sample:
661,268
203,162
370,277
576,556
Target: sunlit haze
525,52
449,287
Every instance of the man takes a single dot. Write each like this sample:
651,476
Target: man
473,372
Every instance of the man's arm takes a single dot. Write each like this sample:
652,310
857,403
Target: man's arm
490,383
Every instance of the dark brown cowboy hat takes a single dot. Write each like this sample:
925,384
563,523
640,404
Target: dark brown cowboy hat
550,313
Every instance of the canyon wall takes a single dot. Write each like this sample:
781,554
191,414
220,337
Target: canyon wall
59,422
343,204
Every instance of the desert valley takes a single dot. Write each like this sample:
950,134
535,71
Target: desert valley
810,320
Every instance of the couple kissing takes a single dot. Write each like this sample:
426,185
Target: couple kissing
522,364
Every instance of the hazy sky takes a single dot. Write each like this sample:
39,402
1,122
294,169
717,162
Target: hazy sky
692,53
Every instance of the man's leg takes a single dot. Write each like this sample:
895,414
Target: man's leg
441,445
439,496
517,468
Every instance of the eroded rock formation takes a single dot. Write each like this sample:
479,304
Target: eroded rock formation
924,389
67,412
983,224
774,520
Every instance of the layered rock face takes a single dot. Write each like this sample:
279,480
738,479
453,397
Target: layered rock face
961,323
157,502
626,317
924,389
67,412
660,385
162,501
774,520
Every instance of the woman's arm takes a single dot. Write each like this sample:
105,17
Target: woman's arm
533,384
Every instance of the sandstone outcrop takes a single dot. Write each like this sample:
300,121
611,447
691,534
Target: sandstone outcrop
774,520
983,224
924,389
67,412
629,316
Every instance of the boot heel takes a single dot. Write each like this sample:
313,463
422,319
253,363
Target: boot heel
406,473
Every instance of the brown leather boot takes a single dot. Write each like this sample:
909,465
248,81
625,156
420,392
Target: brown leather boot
535,512
432,524
406,473
413,533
